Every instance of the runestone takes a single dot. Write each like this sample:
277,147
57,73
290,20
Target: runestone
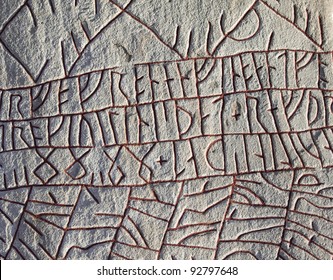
172,129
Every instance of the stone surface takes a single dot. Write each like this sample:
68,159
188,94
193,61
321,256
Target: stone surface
166,129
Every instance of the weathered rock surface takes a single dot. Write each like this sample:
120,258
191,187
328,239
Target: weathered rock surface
166,129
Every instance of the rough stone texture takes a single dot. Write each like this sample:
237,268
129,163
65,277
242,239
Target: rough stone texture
166,129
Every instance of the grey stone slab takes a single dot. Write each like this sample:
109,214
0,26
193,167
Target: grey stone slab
166,129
